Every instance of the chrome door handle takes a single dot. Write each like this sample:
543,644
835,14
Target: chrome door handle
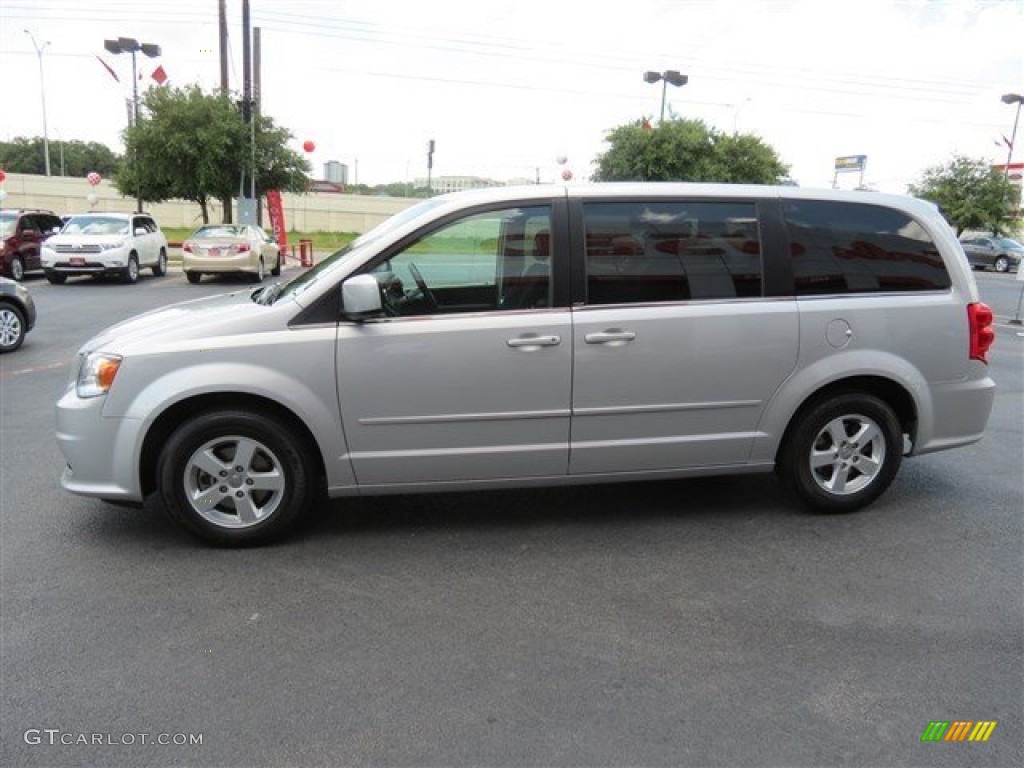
609,337
535,341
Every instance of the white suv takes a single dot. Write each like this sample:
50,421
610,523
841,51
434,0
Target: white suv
106,244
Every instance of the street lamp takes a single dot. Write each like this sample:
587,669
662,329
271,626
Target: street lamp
133,46
1012,98
669,76
42,91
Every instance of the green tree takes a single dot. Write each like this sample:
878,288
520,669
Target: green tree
970,193
67,158
190,145
687,150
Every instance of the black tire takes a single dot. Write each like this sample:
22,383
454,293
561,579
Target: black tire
56,278
199,483
12,327
276,271
261,271
130,274
842,453
160,268
194,277
17,269
1001,264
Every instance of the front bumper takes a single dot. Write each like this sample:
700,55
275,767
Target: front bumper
102,453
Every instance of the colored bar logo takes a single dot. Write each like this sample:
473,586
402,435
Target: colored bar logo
959,730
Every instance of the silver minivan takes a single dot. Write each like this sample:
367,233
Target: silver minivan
547,336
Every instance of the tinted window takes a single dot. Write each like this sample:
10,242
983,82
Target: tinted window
854,248
671,251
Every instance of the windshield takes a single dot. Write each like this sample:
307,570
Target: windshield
95,225
338,259
1007,242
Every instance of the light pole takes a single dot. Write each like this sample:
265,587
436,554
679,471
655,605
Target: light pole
1012,98
669,76
133,46
42,91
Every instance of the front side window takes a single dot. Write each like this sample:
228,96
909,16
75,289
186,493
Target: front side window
651,251
860,248
497,260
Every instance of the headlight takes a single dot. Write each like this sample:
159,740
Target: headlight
111,246
96,375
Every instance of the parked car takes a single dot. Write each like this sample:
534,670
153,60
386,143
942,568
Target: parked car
17,314
999,253
21,236
549,335
113,244
224,248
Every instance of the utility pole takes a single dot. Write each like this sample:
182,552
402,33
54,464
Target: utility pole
223,16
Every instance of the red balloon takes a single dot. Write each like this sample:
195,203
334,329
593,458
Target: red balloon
2,175
309,146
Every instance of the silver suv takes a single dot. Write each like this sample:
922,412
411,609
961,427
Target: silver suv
548,336
118,244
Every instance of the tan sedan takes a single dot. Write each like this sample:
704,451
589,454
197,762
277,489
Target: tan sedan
230,248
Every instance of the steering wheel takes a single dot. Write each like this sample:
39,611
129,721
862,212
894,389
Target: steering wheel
422,285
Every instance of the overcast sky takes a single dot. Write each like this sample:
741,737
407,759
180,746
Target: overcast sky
505,87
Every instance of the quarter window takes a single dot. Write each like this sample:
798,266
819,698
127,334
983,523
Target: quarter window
671,251
858,248
497,260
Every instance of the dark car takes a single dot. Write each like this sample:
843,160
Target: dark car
21,236
999,253
17,314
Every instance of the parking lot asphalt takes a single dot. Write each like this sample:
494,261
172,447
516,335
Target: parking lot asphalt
703,622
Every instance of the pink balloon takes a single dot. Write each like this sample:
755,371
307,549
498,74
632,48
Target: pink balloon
93,178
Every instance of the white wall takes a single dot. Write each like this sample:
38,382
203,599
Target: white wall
320,212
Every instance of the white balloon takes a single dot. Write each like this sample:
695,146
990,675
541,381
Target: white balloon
92,197
561,159
3,194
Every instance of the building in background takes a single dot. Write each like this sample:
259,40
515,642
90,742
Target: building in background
335,172
443,184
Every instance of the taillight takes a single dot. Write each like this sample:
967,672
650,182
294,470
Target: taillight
979,320
242,248
187,247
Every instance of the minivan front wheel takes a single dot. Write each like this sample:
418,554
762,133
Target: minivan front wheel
842,453
235,478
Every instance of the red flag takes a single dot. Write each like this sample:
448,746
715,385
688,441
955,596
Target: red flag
107,67
159,75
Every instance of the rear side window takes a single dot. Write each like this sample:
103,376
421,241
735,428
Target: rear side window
839,247
653,251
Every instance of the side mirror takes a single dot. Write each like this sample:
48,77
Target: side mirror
360,297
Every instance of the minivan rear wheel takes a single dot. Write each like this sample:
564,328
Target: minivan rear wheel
235,478
842,453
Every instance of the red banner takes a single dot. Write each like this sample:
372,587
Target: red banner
276,212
